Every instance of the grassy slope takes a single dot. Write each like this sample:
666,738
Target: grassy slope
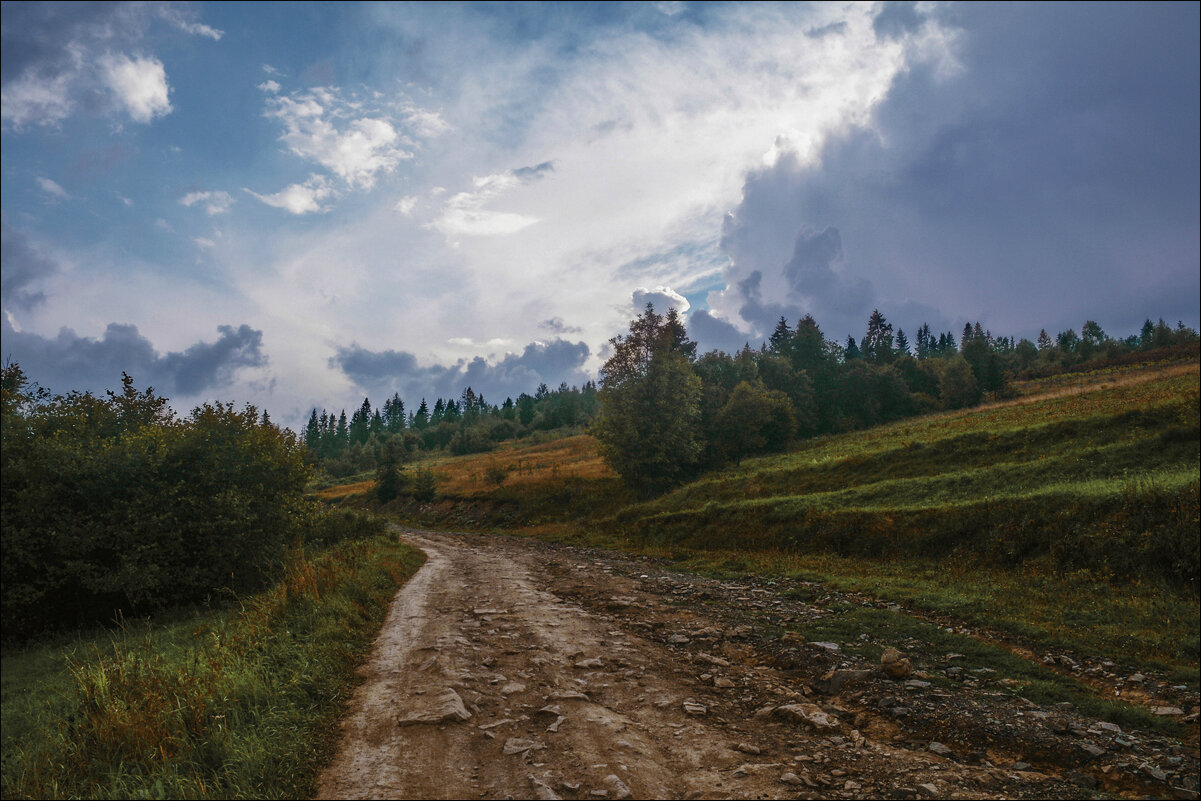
984,514
231,704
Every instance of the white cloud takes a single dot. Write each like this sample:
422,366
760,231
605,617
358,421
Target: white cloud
323,127
269,86
424,123
406,205
214,202
53,189
465,214
663,298
33,99
140,84
204,242
175,16
303,198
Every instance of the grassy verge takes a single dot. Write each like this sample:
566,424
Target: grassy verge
229,704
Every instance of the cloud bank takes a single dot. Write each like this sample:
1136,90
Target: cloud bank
1077,173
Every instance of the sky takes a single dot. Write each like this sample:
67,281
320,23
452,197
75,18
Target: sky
301,205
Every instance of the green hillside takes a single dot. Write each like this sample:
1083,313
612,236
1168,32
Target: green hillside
1106,479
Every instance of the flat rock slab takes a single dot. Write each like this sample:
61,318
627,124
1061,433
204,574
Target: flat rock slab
445,707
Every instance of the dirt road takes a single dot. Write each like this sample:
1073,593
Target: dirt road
516,669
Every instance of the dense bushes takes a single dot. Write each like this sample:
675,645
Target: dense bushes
115,504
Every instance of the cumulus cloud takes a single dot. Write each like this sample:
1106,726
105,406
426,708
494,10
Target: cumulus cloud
306,198
59,59
945,209
661,297
356,139
214,203
140,84
381,373
69,361
24,267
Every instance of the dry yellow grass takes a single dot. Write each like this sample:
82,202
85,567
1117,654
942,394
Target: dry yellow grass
525,464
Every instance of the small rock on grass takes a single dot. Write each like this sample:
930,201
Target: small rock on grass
895,664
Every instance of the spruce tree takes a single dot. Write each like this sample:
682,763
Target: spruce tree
877,342
902,343
781,339
421,419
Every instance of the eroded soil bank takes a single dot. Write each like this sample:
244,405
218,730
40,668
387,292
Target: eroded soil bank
510,668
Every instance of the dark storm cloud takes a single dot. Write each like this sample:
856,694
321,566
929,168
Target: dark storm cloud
71,362
22,267
897,19
714,333
380,373
528,174
556,326
1052,179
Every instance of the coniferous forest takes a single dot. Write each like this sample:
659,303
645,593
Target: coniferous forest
664,412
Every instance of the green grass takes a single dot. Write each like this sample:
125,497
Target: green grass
1105,480
223,704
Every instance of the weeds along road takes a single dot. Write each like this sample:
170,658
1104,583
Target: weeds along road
516,669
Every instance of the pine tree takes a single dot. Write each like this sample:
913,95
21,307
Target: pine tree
851,351
1045,342
312,432
877,344
421,419
341,433
680,343
925,345
902,343
780,341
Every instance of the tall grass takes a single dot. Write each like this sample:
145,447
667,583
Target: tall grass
225,705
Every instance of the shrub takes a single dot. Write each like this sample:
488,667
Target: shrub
425,486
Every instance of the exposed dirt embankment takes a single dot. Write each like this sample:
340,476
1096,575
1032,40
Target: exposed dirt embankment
517,669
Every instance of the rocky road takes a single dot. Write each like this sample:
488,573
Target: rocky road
516,669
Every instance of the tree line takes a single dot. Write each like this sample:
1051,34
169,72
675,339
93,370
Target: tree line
344,445
796,384
667,413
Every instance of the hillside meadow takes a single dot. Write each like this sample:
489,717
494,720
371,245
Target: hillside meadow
1067,515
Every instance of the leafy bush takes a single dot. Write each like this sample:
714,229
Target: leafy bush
114,504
